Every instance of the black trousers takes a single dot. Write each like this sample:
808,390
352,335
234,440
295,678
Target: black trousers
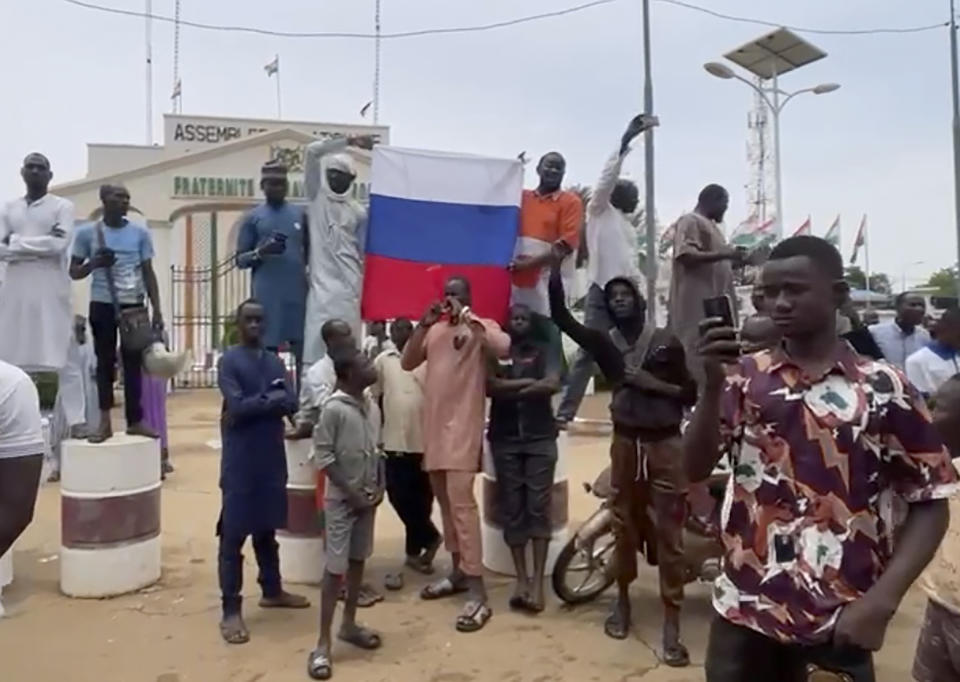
408,487
738,654
230,568
103,323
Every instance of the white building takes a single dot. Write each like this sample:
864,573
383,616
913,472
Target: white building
192,192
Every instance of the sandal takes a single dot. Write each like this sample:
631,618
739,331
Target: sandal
614,627
676,656
529,605
474,616
234,630
393,581
442,588
419,564
319,666
367,597
361,637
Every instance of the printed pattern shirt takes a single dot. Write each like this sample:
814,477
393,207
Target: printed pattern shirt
821,468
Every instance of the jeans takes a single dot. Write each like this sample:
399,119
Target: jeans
595,317
408,487
103,323
230,568
738,654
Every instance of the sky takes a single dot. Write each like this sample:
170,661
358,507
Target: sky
880,145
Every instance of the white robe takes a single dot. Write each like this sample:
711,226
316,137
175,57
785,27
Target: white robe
35,294
77,399
338,227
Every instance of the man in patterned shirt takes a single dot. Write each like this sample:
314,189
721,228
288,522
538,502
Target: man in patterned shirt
825,444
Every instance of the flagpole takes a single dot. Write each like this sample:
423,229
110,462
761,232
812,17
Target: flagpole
866,259
149,79
276,73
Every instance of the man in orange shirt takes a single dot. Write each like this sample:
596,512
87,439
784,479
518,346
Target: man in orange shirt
550,221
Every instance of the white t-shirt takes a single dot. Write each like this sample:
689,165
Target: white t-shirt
21,433
930,367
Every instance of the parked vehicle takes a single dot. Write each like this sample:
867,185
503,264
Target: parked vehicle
585,567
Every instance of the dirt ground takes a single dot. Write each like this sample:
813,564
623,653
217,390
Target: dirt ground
168,633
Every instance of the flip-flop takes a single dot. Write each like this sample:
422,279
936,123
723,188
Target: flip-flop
474,616
362,637
676,656
442,588
319,666
234,635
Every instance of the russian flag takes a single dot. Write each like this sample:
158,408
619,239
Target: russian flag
437,214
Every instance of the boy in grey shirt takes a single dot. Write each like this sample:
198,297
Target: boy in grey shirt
346,447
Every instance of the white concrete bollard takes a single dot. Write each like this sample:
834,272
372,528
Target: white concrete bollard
301,542
110,516
6,561
496,553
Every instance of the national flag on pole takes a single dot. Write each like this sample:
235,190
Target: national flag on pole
861,239
751,234
365,109
273,67
804,229
833,234
177,89
433,215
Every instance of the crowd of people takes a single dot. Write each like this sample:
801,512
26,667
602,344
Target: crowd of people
837,498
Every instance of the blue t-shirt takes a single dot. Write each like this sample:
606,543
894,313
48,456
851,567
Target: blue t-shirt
132,246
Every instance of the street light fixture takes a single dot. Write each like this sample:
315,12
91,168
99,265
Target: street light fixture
769,57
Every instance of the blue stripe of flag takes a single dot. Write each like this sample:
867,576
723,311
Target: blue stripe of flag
437,232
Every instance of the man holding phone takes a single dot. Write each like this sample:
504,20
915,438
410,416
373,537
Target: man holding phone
612,252
117,255
702,269
457,346
273,243
822,441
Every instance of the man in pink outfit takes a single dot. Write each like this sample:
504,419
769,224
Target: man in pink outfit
456,346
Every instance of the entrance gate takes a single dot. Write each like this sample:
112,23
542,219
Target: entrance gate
204,296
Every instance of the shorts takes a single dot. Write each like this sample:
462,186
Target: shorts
938,650
349,535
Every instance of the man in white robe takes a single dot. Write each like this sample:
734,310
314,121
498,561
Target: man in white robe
35,295
338,234
77,409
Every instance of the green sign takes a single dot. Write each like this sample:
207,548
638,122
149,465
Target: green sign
204,187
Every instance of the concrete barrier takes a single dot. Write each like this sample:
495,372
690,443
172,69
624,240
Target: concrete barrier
496,554
110,516
301,542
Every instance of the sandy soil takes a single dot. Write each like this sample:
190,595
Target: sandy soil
168,633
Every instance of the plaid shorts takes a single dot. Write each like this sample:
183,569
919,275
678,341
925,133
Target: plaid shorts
938,650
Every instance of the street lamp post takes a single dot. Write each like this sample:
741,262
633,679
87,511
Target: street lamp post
772,98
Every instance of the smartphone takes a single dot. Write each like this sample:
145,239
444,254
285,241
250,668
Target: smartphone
279,237
720,307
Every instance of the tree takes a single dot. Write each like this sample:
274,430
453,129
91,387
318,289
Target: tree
857,279
945,282
880,283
